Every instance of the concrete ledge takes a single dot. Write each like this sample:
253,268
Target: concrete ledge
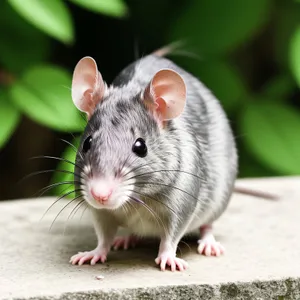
262,260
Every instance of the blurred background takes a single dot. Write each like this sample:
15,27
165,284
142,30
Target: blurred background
247,52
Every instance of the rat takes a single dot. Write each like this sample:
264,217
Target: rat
157,157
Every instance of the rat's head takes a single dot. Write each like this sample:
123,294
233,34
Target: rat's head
124,132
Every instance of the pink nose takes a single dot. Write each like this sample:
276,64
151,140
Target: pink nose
101,196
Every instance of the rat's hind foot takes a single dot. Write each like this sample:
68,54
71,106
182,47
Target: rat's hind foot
169,259
125,242
94,256
207,244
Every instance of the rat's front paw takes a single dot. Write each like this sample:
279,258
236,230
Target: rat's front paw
170,259
125,242
94,256
208,246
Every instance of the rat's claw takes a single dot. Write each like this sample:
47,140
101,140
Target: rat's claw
209,246
94,256
162,262
171,260
97,258
172,263
207,250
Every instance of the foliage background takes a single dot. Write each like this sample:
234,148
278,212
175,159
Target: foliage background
247,52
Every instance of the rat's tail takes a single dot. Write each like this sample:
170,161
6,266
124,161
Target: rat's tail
255,193
174,48
168,49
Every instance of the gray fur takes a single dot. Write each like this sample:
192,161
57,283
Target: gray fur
200,142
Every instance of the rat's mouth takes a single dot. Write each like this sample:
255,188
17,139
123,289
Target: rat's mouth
106,191
101,190
111,203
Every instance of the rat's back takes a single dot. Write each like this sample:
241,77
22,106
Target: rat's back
205,122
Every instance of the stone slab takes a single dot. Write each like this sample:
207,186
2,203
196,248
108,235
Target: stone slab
262,259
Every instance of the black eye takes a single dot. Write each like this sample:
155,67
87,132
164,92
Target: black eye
87,144
139,147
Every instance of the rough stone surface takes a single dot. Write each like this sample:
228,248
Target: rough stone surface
262,260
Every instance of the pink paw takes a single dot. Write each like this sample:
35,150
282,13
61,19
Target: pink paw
94,256
210,247
125,242
169,259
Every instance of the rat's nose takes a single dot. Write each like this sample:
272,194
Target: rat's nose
102,195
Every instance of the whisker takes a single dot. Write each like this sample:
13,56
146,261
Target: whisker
157,171
46,171
236,189
151,198
186,245
73,147
70,144
86,207
135,199
141,166
63,209
167,185
47,188
121,169
154,199
58,158
138,167
58,199
126,210
162,203
75,212
154,215
143,225
75,208
72,135
66,87
83,117
179,249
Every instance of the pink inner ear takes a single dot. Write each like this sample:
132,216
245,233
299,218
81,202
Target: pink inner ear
88,86
88,105
168,91
161,106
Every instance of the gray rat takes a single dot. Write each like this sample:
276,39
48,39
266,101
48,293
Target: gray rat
157,157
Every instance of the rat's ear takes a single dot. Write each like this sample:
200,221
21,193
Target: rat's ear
166,94
88,86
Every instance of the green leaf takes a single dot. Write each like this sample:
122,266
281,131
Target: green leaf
50,16
279,87
249,166
287,20
271,133
295,54
217,27
222,79
114,8
9,118
17,38
69,154
43,93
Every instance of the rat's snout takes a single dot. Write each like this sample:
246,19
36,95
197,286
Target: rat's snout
101,196
101,190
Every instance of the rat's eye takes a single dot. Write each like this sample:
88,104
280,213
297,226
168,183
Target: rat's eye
139,147
87,144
